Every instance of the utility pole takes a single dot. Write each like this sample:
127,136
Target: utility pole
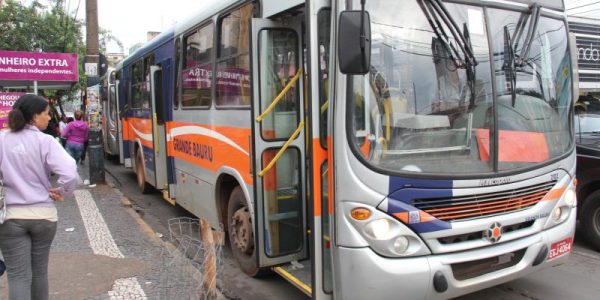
91,30
95,152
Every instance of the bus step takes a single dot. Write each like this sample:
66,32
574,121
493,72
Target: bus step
298,274
165,195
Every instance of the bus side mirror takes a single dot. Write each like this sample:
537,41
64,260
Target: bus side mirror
354,42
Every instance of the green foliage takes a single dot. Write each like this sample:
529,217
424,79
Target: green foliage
49,28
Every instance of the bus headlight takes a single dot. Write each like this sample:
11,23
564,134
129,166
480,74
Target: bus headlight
570,198
556,214
384,234
401,244
379,229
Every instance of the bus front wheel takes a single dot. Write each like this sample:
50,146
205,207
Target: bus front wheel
141,173
241,234
590,219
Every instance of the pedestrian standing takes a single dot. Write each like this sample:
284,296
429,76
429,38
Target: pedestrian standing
61,127
76,134
27,157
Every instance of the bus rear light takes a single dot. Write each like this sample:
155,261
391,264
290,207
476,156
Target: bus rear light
360,213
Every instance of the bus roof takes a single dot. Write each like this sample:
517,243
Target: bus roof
155,42
197,18
204,14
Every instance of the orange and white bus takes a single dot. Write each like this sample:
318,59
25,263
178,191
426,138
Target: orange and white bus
420,149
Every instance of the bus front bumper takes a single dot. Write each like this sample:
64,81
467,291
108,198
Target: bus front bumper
363,274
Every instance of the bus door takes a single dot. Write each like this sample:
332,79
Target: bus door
119,123
158,127
111,118
279,143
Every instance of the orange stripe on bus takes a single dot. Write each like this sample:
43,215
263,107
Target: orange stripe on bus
490,204
331,194
212,153
554,194
479,213
402,216
319,156
143,126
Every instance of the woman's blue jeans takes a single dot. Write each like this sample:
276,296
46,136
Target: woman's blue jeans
75,150
25,246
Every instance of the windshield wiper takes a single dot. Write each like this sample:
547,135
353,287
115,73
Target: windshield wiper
512,62
510,71
436,14
533,20
470,68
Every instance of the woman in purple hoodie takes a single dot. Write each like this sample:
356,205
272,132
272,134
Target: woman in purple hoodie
76,134
27,156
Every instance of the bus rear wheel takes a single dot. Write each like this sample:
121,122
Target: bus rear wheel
141,173
241,234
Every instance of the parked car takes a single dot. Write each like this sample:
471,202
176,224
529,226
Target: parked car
587,139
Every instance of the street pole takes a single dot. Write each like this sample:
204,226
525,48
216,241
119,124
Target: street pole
95,152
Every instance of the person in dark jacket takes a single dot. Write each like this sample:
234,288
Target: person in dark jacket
76,134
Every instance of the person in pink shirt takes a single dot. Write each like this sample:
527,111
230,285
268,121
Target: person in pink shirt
76,134
27,157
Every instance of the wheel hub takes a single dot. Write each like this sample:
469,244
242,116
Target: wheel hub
241,231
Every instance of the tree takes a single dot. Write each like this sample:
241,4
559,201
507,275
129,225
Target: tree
106,36
47,28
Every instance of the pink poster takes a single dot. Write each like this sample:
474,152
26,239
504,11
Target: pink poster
7,100
40,66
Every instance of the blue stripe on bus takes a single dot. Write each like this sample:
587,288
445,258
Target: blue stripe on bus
402,192
430,226
407,195
397,206
401,182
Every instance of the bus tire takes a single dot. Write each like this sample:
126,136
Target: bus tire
241,234
590,219
141,173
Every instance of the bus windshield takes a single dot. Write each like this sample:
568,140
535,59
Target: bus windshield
423,109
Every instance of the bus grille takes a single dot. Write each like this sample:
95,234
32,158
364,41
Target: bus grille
484,205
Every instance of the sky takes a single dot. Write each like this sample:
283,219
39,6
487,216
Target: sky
130,20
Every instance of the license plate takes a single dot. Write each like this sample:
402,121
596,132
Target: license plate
560,248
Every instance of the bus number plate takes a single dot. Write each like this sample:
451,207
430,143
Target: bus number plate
560,248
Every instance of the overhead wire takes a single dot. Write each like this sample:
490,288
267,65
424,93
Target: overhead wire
584,5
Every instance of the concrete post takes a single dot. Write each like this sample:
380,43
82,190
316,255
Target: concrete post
96,156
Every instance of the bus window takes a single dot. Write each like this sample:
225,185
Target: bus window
324,29
197,68
178,78
278,60
136,84
148,62
233,65
112,103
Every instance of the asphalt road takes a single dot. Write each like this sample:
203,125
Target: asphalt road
578,279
